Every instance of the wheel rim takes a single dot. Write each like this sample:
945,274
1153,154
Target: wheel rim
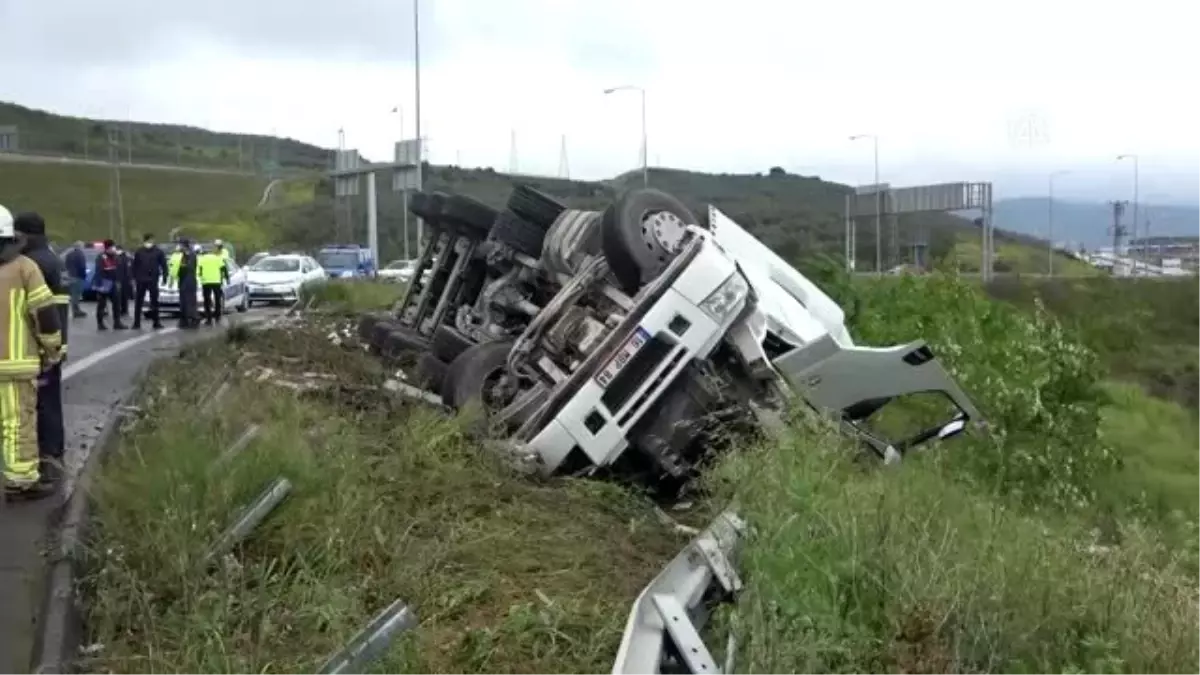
663,230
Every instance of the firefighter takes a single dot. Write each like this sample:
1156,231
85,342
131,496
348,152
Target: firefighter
184,267
50,433
149,268
106,283
32,342
214,274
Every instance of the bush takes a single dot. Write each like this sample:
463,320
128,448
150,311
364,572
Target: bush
350,296
1038,388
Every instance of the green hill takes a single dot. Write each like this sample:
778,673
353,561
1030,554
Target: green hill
42,132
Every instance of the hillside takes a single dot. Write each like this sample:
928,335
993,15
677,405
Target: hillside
74,199
1088,223
42,132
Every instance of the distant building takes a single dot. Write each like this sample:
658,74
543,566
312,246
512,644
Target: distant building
9,138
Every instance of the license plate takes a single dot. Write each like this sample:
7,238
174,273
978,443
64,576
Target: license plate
623,356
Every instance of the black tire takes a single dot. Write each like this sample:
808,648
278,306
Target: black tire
397,341
429,372
535,206
469,372
448,343
425,206
468,215
634,260
518,233
367,324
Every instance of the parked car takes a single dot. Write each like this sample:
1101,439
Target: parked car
256,257
279,278
402,271
346,261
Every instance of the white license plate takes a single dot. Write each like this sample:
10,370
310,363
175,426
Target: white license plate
623,356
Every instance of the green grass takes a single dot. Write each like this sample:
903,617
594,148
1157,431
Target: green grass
351,297
74,200
1013,257
505,573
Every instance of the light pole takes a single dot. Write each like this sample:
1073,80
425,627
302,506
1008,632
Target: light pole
1050,222
404,194
645,149
1135,202
417,106
878,204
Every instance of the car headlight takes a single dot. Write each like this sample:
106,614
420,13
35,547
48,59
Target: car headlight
724,301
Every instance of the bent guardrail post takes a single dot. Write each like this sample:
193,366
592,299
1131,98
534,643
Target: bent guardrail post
372,641
235,448
250,518
670,607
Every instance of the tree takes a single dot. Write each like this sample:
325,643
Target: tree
777,171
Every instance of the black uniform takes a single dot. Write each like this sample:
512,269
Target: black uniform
50,433
149,267
187,289
124,282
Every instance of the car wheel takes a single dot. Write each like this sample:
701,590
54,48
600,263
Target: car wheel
534,206
473,372
641,233
518,233
242,308
448,343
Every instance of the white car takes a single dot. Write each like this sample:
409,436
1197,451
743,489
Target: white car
236,296
279,278
402,271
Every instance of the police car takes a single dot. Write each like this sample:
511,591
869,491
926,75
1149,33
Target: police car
346,261
237,295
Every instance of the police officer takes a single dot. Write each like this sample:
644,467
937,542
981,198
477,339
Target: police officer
184,266
149,267
50,433
31,342
214,273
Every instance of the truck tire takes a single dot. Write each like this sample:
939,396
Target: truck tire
424,206
536,207
470,216
448,343
469,373
396,340
518,233
367,324
429,372
632,230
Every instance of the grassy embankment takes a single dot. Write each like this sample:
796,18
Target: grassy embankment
1004,551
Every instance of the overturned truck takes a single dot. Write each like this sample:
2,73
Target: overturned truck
629,336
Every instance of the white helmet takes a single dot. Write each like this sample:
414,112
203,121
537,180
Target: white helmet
196,248
217,242
6,223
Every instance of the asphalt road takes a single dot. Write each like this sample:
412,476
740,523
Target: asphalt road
103,367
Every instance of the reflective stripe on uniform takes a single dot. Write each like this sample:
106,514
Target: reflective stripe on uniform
62,299
18,431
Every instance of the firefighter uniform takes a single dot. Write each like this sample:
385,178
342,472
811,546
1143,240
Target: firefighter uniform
213,273
30,341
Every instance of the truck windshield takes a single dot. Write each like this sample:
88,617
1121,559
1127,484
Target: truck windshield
338,260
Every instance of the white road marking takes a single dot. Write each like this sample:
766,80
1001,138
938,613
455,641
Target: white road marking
76,367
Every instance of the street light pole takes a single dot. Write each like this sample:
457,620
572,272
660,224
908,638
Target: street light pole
1050,222
399,109
645,146
878,204
417,96
1135,201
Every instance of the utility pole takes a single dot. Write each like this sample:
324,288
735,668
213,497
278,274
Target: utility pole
1050,222
116,208
645,148
512,152
878,204
1135,199
1118,230
417,82
564,169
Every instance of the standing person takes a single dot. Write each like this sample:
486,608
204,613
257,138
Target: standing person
214,273
51,436
75,263
185,274
105,282
22,287
149,267
124,280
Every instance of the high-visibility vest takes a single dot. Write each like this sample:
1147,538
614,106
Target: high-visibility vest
209,267
173,264
23,292
224,253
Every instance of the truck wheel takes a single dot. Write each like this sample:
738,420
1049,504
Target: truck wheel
425,206
470,216
471,376
640,233
430,372
537,207
518,233
367,324
396,341
448,343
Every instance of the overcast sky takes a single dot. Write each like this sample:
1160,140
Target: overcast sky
1004,91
